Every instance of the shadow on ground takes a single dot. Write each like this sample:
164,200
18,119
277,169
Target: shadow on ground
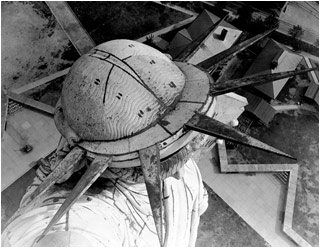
221,226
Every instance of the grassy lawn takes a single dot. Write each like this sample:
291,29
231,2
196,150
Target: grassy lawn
123,20
33,44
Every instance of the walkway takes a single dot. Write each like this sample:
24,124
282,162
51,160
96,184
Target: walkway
72,26
286,107
25,127
176,7
31,103
82,40
259,199
41,81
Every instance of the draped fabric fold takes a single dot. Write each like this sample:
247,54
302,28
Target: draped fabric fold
114,212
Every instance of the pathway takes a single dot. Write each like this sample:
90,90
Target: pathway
72,26
286,107
25,127
41,81
176,7
31,103
259,199
167,29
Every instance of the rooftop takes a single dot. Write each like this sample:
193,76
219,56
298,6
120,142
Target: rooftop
220,39
273,58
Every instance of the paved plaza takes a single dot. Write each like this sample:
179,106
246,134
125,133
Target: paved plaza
259,199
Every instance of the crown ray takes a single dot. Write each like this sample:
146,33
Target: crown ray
209,64
69,163
150,162
192,47
97,167
210,126
232,85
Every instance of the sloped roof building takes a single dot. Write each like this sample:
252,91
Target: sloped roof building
220,39
313,92
273,58
260,108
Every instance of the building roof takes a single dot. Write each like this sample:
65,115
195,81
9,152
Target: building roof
315,64
203,22
223,37
313,92
179,43
273,54
260,108
161,43
185,33
217,41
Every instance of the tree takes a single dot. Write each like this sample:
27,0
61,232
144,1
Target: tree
255,26
195,6
296,32
271,22
149,39
220,5
245,17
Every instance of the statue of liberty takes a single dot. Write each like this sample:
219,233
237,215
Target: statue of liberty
123,173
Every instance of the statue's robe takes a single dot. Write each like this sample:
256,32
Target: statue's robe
115,211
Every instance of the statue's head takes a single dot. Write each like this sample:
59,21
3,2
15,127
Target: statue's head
124,96
119,89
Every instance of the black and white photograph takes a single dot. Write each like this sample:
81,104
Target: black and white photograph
160,123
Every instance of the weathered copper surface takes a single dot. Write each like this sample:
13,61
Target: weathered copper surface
211,62
150,162
63,127
119,89
98,166
168,130
232,85
207,125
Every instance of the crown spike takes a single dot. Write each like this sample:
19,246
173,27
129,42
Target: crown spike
150,162
234,84
97,167
69,163
204,124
